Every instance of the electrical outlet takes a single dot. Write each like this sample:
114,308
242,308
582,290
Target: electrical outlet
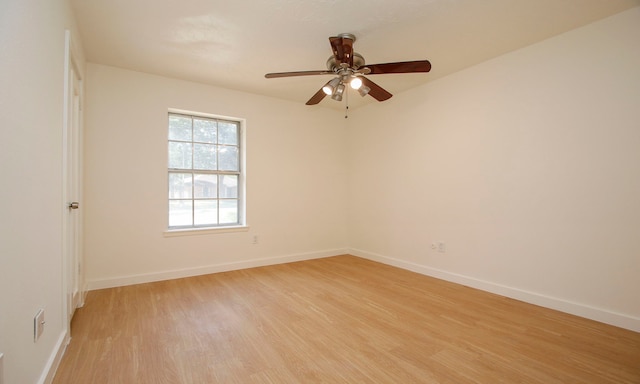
441,247
434,246
255,239
38,325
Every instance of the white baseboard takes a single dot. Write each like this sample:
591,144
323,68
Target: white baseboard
208,269
582,310
50,369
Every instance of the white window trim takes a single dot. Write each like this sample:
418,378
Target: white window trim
243,226
205,231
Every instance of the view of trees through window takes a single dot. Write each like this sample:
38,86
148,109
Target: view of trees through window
204,171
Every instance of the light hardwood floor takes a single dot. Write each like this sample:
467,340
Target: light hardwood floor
335,320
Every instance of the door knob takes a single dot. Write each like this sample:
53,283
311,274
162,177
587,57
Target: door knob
74,205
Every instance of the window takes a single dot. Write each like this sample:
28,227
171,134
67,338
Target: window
205,172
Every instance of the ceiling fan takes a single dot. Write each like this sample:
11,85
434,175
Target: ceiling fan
349,68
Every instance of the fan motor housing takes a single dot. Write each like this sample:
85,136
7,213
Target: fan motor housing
358,61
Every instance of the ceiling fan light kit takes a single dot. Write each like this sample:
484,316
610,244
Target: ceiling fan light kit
363,90
337,94
356,82
331,86
349,68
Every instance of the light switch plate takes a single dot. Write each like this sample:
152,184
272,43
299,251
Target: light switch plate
38,325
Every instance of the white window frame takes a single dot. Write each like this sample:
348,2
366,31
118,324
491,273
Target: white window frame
241,225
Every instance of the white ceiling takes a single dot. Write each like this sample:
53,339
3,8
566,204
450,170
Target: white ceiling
232,44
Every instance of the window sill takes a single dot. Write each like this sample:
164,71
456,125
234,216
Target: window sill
204,231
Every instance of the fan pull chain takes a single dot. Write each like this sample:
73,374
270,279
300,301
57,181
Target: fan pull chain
346,109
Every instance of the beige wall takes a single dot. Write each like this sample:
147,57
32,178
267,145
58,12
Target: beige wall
527,167
32,46
296,193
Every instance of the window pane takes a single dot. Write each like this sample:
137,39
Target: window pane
205,212
228,157
229,186
228,132
180,213
204,130
204,156
228,211
179,128
203,171
180,185
179,155
206,186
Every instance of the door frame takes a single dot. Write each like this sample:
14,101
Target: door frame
74,287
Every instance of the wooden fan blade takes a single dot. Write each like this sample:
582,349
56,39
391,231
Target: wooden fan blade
337,48
298,73
377,92
400,67
347,49
315,99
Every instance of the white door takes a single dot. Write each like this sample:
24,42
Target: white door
72,251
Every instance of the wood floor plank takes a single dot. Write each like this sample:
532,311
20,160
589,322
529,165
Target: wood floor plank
335,320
